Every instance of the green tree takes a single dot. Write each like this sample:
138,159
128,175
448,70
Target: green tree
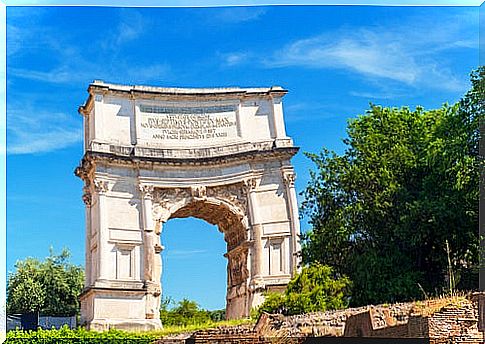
314,289
24,292
186,312
50,287
382,211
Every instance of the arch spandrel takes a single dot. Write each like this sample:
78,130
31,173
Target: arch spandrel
168,201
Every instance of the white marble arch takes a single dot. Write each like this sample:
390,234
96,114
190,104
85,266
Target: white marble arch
152,154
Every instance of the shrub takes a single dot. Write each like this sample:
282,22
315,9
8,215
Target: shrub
314,289
77,336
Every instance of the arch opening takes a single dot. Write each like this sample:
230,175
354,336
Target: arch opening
193,263
235,231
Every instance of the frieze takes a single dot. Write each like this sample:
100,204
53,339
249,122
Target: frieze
181,157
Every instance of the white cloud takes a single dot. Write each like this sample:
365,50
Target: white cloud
411,53
235,58
61,74
72,65
130,27
14,42
30,131
42,142
363,52
71,71
374,54
376,95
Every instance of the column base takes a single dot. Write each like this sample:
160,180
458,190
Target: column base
106,308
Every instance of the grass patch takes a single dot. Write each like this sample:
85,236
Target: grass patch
169,330
82,336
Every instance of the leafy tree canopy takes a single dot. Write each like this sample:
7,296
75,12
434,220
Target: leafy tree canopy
407,182
51,286
313,289
187,312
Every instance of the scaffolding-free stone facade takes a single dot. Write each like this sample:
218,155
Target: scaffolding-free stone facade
152,154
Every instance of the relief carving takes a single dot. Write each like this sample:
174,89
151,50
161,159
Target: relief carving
167,197
234,232
163,200
199,191
87,197
235,194
237,266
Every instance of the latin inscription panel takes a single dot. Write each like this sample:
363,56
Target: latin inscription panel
185,125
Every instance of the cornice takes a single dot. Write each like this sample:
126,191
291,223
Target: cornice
173,94
90,159
103,87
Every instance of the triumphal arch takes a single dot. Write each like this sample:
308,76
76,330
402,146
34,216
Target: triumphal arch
152,154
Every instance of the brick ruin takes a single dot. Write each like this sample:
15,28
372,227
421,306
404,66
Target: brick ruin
442,320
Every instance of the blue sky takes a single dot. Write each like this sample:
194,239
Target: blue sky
334,60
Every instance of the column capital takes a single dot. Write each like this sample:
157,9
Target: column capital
101,186
289,178
251,183
146,190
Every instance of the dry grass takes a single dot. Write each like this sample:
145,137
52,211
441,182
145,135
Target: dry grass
431,306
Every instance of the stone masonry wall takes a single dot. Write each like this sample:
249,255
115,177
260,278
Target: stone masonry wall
440,320
332,323
456,323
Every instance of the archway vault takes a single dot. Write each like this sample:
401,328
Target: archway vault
220,155
223,206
